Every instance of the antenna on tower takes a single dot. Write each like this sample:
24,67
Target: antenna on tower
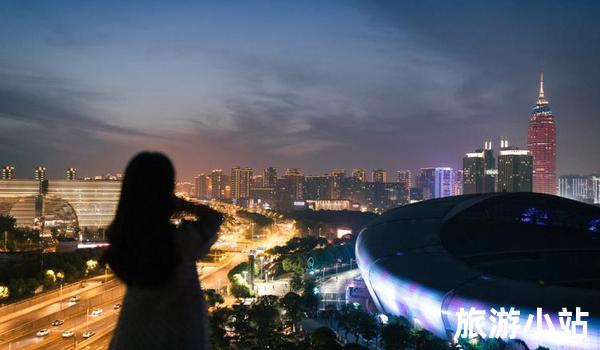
541,98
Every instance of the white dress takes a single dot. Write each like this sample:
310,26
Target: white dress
172,316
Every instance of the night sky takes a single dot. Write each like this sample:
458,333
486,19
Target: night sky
309,84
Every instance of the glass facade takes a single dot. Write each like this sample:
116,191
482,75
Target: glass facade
90,203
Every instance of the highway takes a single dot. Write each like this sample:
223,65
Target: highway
19,323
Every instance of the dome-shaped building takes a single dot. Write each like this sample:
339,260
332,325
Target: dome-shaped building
462,262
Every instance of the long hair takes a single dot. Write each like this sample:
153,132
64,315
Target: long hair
142,249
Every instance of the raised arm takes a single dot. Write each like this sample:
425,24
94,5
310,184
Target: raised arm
206,226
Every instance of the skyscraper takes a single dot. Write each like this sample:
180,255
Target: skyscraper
40,173
203,187
541,142
479,171
514,169
240,182
294,184
318,187
405,181
270,177
379,175
71,174
405,178
8,172
359,174
577,187
338,175
436,182
219,183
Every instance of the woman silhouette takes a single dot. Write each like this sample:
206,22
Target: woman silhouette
163,306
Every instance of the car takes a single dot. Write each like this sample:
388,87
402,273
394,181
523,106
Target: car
117,306
68,334
96,312
88,334
74,298
57,323
43,332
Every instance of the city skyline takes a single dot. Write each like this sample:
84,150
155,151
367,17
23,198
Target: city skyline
360,85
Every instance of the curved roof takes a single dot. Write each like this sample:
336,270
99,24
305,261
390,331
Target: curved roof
525,250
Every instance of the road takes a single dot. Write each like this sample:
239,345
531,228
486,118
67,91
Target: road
19,325
333,289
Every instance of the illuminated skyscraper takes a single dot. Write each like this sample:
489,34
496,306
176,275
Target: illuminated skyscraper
514,169
379,175
576,187
294,183
359,174
219,183
40,173
203,188
318,187
8,172
436,182
240,182
479,174
541,142
71,174
405,178
270,177
338,175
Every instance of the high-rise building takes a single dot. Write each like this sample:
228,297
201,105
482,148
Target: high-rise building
515,169
405,178
359,174
379,175
595,185
576,187
318,187
71,173
270,177
203,187
8,172
458,182
338,175
240,182
40,173
541,142
479,171
219,183
405,181
436,182
294,184
256,181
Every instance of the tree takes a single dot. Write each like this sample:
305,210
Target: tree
31,285
424,340
218,335
294,308
354,346
324,338
396,336
212,298
367,326
265,316
7,223
17,288
330,313
238,288
4,292
296,282
310,296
